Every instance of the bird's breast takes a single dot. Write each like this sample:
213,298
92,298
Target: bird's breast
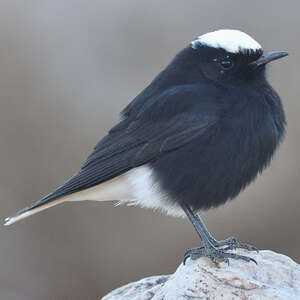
218,165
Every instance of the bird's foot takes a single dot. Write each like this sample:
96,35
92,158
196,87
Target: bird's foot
209,250
232,243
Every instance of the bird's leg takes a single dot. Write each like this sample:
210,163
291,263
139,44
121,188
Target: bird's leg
231,243
209,249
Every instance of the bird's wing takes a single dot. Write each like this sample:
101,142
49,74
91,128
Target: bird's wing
136,141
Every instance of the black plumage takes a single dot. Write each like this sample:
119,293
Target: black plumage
206,139
206,126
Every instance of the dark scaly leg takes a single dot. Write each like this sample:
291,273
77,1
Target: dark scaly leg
231,243
210,244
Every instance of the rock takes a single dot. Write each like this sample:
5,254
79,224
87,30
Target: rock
276,276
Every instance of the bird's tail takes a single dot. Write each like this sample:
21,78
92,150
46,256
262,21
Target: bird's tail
114,189
29,211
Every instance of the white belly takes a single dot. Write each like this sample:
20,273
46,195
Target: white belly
148,193
135,187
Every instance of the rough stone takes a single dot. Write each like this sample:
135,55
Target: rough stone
276,276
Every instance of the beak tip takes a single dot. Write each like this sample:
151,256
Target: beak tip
276,55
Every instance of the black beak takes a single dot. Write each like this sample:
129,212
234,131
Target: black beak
267,57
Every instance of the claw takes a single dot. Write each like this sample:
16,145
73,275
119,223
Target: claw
193,254
252,259
245,258
186,255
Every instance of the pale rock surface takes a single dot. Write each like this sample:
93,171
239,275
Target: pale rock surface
275,277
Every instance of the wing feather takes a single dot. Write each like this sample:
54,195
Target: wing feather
163,125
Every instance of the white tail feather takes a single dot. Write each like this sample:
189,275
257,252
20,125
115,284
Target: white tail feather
11,220
114,189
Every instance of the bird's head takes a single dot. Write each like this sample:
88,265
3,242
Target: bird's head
231,56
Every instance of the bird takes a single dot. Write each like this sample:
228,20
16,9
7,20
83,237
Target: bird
193,139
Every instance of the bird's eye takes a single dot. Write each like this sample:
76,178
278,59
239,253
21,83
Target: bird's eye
226,63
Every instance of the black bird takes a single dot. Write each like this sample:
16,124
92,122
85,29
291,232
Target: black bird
193,139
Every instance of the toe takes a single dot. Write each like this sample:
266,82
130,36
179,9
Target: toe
242,257
248,247
216,254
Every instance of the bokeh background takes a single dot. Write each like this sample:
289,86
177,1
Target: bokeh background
66,70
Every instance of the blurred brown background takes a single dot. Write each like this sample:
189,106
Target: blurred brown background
66,70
